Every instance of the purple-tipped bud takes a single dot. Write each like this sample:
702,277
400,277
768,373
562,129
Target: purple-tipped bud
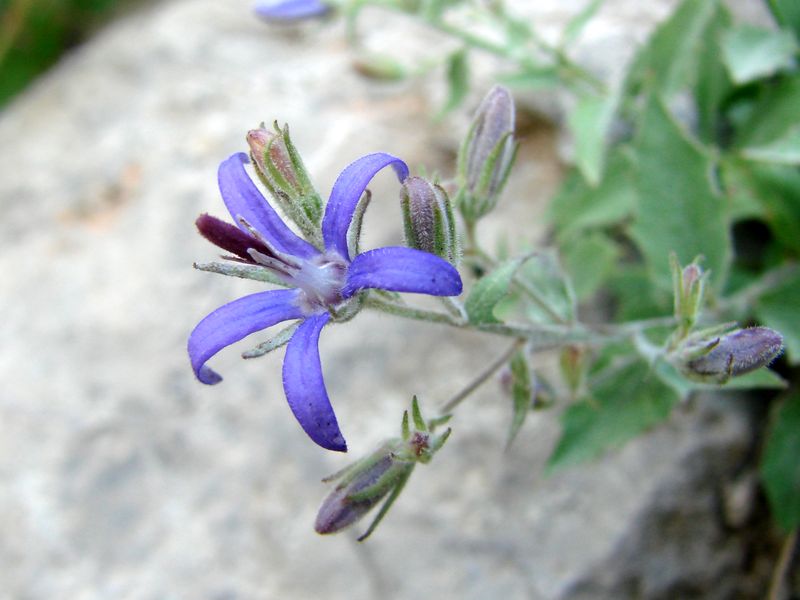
428,218
384,472
229,237
486,156
688,288
280,168
736,353
288,11
362,489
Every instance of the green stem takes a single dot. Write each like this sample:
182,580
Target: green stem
541,337
482,377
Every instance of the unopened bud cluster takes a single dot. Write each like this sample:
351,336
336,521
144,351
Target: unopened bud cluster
486,155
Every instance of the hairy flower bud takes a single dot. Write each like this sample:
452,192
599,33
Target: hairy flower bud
688,288
486,155
718,359
362,487
280,168
428,218
380,475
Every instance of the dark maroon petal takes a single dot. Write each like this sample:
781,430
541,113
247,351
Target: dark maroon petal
228,237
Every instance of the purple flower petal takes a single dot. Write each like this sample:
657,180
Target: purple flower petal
243,199
401,269
236,320
305,388
346,192
291,10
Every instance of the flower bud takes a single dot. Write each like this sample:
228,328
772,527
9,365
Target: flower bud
718,359
688,287
486,155
383,473
428,218
364,485
280,168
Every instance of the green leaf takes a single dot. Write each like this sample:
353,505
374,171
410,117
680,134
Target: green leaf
589,122
787,13
589,260
679,210
773,113
457,81
669,60
784,150
778,309
751,53
774,191
713,85
635,297
578,206
579,21
622,405
489,290
539,78
780,465
544,274
521,393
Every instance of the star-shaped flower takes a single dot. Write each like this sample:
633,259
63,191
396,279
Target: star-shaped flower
323,282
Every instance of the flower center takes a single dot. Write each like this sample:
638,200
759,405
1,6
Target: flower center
321,279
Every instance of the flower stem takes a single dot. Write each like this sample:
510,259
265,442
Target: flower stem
788,550
482,377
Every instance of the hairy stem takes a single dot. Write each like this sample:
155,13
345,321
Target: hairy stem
482,377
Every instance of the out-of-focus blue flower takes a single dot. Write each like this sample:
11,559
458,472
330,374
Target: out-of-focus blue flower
291,10
323,283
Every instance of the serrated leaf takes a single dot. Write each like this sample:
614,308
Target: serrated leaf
579,206
621,406
780,466
678,209
489,290
521,393
784,150
751,53
778,309
670,58
773,114
457,81
589,122
589,259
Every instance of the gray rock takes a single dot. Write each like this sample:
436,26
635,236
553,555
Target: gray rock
122,477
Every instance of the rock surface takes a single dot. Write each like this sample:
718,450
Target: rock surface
122,477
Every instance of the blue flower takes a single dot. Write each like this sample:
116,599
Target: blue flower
322,282
291,10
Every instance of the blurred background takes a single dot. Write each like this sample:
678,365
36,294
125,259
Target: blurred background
122,477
